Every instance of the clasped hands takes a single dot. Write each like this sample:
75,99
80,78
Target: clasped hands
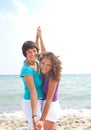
38,124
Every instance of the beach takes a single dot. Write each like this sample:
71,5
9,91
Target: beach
74,97
70,119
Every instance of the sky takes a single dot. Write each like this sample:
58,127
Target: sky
66,28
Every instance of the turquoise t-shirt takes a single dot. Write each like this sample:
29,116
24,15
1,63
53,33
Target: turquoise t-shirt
28,70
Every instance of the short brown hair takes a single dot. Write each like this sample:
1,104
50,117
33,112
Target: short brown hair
28,45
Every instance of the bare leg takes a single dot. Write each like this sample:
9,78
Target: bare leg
49,125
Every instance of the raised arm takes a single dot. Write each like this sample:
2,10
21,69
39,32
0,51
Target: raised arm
43,49
39,40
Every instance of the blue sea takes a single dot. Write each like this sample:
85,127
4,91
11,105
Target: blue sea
74,92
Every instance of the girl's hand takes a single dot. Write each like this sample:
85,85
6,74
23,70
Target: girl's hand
39,32
35,122
39,125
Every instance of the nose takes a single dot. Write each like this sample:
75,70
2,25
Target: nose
44,67
33,53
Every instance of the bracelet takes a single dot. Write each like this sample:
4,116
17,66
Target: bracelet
34,116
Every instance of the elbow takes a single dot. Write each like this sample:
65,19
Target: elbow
49,99
34,95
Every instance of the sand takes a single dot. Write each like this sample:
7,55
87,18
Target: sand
70,119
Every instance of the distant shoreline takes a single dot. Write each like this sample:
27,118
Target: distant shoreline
62,74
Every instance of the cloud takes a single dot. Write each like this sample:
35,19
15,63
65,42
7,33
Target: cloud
1,15
19,17
21,8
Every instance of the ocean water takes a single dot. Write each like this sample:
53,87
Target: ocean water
74,92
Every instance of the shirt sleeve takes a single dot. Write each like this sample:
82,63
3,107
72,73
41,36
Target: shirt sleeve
26,71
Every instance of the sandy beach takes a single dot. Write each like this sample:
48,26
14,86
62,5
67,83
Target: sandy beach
70,119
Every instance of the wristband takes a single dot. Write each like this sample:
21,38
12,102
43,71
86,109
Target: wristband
34,116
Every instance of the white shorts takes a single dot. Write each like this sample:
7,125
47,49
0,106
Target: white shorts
26,107
54,111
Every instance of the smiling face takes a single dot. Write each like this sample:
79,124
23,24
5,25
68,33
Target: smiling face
31,54
45,66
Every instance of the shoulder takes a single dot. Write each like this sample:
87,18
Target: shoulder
52,82
26,70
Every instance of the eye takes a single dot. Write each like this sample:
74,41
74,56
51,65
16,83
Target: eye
42,63
34,50
48,65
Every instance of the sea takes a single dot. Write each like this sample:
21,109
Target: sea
74,92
